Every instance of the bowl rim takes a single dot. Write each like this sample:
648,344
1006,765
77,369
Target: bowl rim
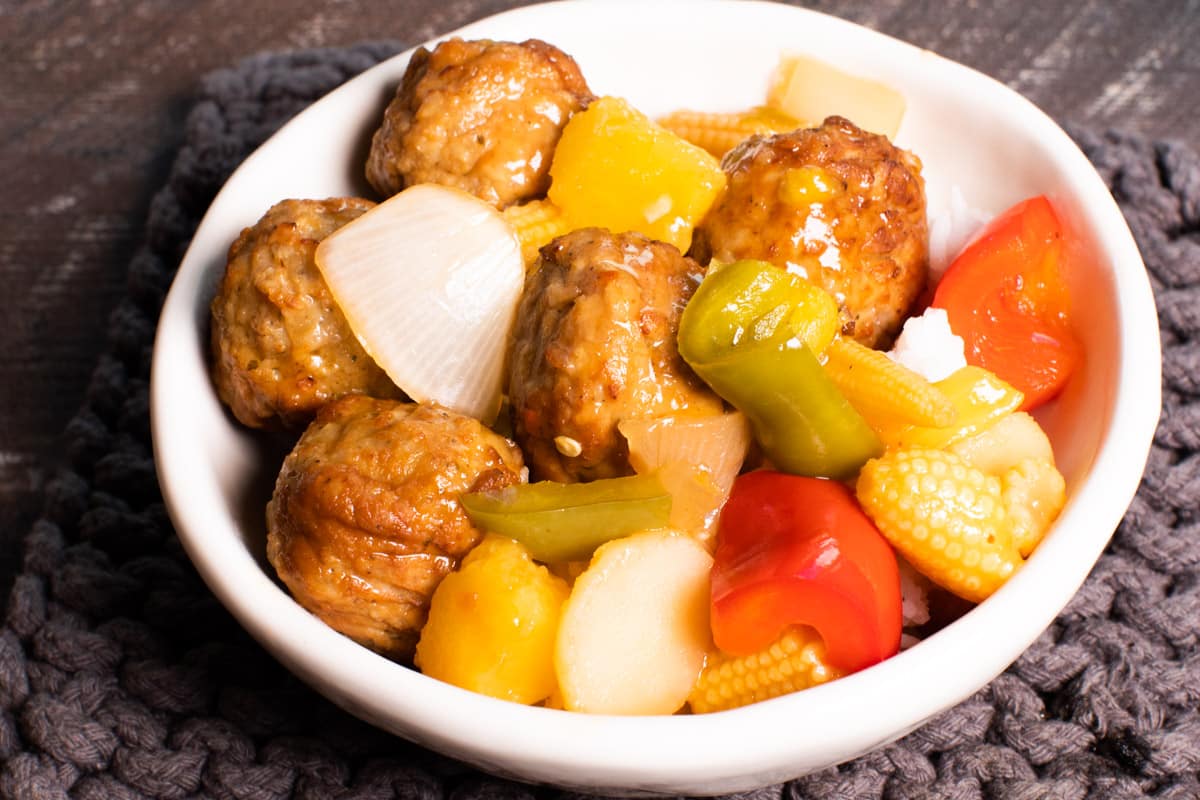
643,753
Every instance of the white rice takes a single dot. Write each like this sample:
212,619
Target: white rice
927,346
914,595
951,231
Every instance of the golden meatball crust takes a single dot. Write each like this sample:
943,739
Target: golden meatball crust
281,348
594,343
840,206
365,519
480,116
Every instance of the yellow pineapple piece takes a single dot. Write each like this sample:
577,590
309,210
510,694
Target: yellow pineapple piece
493,623
719,132
883,391
615,168
793,662
537,223
807,88
979,398
947,518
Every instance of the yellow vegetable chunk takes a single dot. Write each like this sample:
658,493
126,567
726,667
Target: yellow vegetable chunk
806,88
883,390
1008,442
947,518
795,661
635,630
979,398
492,624
1034,494
615,168
719,132
536,224
1018,452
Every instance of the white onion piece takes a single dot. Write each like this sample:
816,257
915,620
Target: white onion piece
697,458
716,442
429,281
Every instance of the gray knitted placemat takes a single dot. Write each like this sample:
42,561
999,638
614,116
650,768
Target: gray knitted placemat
121,676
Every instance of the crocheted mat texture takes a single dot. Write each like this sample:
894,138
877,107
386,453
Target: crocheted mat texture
121,676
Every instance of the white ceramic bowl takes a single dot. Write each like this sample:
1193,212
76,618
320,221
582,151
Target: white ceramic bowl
970,131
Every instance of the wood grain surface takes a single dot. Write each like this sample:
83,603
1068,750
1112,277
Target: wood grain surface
96,91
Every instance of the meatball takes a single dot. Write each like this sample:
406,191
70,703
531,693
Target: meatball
835,204
365,519
480,116
281,348
593,344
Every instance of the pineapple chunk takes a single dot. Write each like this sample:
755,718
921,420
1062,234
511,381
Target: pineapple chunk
805,88
493,624
615,168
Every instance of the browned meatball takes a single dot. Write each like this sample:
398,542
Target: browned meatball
281,347
365,519
840,206
480,116
594,344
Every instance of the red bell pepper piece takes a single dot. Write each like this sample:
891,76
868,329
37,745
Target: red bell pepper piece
795,550
1006,297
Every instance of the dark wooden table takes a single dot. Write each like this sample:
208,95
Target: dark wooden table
95,95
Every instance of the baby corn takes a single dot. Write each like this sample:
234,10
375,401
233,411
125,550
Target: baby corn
883,390
536,223
718,133
793,662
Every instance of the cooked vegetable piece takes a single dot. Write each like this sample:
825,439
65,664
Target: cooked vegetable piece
1034,494
880,388
567,521
750,332
493,624
536,224
1018,452
794,550
794,661
1009,441
979,399
696,457
943,515
720,132
634,631
615,168
1008,299
806,88
429,281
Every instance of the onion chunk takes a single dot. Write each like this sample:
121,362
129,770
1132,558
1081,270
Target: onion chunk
429,281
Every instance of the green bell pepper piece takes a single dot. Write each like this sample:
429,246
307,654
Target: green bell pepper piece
567,521
743,332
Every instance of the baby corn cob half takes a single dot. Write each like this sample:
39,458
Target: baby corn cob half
883,390
536,223
947,518
718,133
793,662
